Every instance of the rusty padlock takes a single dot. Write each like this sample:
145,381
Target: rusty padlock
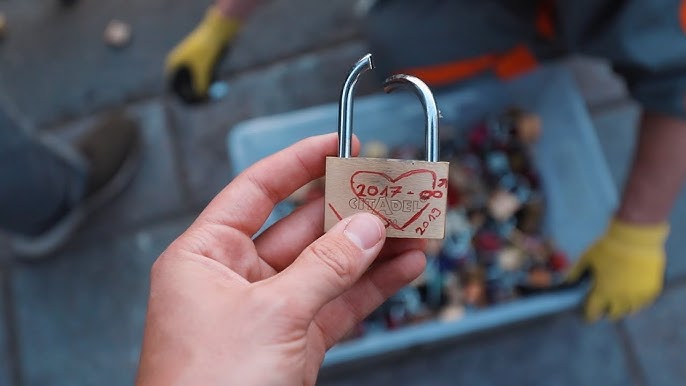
409,196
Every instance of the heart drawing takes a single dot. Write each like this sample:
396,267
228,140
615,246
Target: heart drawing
404,191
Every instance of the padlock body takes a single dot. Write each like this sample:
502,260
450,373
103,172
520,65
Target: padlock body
409,196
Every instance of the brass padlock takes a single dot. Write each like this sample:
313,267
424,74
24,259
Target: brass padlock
409,196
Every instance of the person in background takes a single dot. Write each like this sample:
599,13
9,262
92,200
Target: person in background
452,42
49,187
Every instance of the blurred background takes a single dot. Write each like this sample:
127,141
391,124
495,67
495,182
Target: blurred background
76,317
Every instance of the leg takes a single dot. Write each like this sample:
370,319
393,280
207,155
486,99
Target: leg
36,186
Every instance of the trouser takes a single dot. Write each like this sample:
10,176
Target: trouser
38,184
449,42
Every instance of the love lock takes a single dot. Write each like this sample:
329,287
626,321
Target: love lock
409,196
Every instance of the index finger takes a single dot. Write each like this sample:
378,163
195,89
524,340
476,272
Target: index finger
248,200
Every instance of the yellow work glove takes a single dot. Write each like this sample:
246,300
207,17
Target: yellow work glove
627,266
190,66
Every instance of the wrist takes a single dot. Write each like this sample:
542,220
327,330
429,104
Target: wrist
220,26
640,216
638,234
238,10
641,204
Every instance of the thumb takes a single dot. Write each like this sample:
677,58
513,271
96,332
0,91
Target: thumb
332,264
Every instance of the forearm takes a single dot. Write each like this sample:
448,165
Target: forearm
238,9
658,171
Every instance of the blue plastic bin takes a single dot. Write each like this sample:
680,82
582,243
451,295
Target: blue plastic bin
579,192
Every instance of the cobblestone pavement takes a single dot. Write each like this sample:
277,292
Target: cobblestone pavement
76,319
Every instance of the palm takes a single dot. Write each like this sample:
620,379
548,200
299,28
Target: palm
263,258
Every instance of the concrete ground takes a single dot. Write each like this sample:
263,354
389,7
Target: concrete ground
76,319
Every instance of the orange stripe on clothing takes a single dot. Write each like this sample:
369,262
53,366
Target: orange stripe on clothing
508,65
446,73
682,15
516,62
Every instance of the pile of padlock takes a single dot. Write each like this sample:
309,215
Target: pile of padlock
494,250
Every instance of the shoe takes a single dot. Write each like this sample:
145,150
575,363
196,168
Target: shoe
111,150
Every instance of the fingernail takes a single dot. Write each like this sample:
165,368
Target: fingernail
364,230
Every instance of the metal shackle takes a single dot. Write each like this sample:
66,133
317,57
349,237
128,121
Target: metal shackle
431,109
345,108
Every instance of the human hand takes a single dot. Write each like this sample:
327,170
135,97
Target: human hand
225,309
627,265
190,65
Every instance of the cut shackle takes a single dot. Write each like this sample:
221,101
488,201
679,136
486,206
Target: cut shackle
345,107
427,98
